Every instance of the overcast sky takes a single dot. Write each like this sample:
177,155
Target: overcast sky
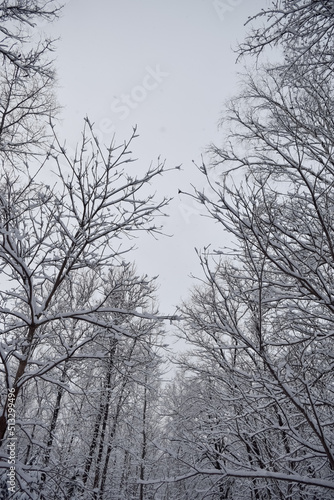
167,67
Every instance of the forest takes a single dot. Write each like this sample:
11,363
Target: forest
249,414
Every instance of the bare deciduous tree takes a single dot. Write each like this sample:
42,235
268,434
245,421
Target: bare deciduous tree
262,323
50,236
20,46
302,28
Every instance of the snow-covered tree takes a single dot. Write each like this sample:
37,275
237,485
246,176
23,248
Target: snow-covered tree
26,79
22,44
303,29
51,235
94,412
71,308
261,323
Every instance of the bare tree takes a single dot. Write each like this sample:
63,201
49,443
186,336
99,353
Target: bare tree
50,236
262,322
79,421
20,46
69,303
303,29
26,106
27,101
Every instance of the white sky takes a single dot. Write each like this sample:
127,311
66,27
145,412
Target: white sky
110,49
